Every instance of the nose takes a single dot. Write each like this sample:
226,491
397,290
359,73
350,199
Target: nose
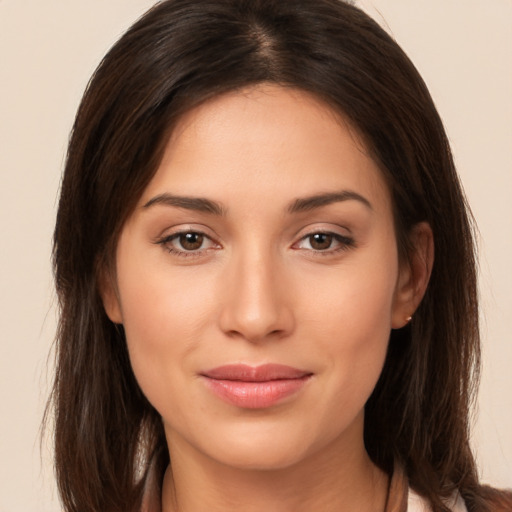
257,304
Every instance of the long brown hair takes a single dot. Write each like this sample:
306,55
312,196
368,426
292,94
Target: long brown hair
179,54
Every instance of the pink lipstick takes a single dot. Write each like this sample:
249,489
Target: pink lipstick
255,387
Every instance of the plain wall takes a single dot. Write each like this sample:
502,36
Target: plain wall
48,50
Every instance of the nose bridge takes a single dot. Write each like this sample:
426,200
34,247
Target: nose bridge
257,304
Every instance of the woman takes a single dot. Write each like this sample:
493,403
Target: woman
266,273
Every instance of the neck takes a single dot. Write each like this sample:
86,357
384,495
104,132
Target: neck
340,478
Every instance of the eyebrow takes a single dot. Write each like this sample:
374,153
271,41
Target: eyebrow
303,204
319,200
199,204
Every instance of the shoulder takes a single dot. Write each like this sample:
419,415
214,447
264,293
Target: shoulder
415,503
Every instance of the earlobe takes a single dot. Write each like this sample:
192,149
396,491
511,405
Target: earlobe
414,275
110,296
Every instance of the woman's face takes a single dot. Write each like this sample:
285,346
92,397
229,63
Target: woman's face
258,281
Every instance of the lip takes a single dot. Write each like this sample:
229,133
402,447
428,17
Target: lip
255,387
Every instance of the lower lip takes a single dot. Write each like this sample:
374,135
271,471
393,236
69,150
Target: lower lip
255,395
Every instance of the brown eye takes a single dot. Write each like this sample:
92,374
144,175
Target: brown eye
188,243
320,241
325,243
191,241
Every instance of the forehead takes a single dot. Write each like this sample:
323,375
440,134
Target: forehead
265,141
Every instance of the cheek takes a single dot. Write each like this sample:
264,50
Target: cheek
352,323
355,304
163,315
355,333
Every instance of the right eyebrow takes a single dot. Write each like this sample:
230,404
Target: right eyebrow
199,204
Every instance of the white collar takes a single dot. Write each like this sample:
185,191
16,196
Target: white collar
415,503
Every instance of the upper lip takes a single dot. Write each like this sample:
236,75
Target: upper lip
261,373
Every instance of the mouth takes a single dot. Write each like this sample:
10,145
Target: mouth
255,387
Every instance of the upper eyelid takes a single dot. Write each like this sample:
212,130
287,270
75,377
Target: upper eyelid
171,231
332,229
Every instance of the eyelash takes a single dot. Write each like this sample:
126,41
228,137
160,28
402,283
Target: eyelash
345,243
167,240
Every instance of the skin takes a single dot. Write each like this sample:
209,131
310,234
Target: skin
258,289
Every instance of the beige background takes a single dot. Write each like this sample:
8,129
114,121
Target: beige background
49,48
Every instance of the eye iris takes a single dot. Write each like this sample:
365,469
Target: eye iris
320,241
191,241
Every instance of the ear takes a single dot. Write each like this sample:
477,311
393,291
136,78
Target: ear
414,275
110,296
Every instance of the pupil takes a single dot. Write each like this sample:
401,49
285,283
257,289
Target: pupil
191,241
321,241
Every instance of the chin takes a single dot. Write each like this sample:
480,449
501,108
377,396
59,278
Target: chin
262,449
258,458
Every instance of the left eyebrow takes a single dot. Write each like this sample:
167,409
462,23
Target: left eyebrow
317,201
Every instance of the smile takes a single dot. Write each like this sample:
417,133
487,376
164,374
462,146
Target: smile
255,387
